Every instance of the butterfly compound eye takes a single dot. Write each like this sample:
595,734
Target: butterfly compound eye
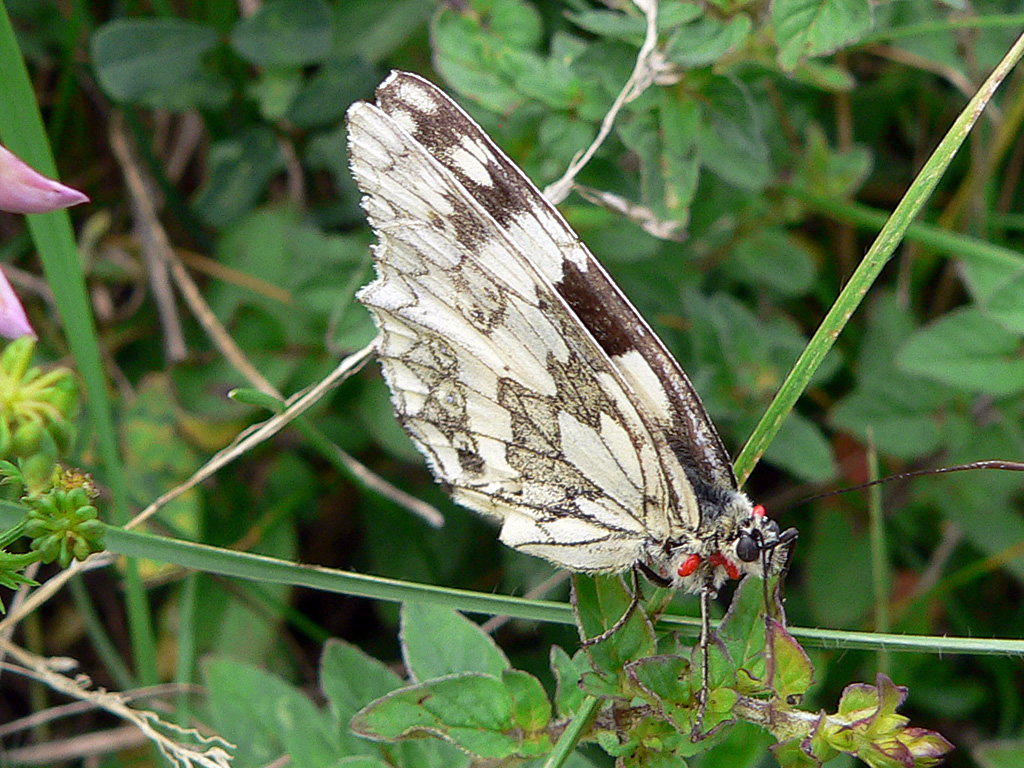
747,548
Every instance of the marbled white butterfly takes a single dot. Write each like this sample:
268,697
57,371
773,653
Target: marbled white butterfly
537,393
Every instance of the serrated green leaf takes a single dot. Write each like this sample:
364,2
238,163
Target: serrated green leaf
484,45
471,710
663,678
790,754
567,671
707,40
742,631
790,671
805,28
437,641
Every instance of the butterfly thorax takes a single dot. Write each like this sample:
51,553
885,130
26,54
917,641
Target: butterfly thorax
735,538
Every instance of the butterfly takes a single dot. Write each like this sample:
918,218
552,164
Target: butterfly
537,393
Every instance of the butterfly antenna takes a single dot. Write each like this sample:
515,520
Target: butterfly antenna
634,601
1010,466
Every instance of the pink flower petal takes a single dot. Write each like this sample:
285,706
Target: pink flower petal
23,190
13,322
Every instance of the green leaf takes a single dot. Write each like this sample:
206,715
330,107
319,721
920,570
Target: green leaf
990,274
791,754
801,448
897,407
284,33
274,91
264,715
531,709
707,40
732,142
324,96
158,63
967,350
383,26
742,632
661,677
806,28
471,710
791,673
983,504
630,26
771,258
744,746
361,761
568,671
350,680
240,168
829,171
1000,754
438,641
1006,305
481,47
665,143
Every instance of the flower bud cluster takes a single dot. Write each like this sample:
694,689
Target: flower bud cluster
38,410
63,522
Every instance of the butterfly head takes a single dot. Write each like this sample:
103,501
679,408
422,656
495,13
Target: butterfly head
740,539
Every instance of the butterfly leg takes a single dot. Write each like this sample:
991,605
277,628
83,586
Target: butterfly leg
706,594
633,603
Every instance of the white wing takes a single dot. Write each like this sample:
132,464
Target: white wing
654,377
514,404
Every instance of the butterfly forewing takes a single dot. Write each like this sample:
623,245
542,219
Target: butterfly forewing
516,206
519,411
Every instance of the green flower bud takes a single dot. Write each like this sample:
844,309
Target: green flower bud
15,358
48,547
27,438
37,471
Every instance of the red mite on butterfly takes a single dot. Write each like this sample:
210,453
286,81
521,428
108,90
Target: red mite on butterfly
692,563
